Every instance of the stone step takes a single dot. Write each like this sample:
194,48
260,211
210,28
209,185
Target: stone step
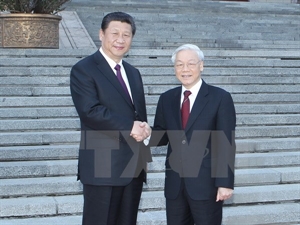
39,152
282,213
269,46
32,84
15,85
66,101
211,28
170,6
246,160
38,168
40,124
250,99
215,43
42,186
259,145
213,53
159,53
212,62
204,41
35,71
242,195
56,137
234,34
246,177
228,40
40,113
65,151
234,81
66,167
232,18
11,125
232,74
153,7
271,159
268,131
250,109
248,120
15,207
237,89
68,62
285,213
45,53
230,71
247,21
242,110
149,89
246,25
36,101
39,138
265,98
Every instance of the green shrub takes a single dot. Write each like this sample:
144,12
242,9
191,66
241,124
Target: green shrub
33,6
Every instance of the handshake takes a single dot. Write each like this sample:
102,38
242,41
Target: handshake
140,131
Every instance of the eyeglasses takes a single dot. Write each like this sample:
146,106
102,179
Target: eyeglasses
190,65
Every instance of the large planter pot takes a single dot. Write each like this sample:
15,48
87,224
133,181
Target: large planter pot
25,30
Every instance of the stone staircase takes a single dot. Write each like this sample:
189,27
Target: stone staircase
258,63
209,24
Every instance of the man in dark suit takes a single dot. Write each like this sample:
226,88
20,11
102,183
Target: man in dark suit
197,121
109,97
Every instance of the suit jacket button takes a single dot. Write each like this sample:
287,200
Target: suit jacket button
183,142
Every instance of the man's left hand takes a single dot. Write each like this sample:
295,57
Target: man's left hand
223,194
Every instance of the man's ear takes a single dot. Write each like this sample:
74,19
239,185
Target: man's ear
201,66
101,34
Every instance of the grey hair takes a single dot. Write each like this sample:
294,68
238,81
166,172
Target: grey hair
188,47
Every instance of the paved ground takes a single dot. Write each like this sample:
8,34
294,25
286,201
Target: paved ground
72,33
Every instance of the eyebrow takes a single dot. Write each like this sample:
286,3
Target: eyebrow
187,61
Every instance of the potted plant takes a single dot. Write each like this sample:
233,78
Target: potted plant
30,23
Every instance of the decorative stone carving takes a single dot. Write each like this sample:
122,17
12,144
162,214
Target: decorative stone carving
29,30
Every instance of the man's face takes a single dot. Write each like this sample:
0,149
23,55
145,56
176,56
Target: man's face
188,68
116,39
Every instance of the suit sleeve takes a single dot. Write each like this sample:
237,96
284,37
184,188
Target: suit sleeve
91,111
159,135
224,142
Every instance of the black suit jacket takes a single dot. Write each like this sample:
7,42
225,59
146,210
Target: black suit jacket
108,155
203,154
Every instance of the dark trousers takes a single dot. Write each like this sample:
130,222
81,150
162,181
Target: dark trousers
185,211
112,205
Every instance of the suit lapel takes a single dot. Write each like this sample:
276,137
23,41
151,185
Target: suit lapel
132,83
199,104
175,104
106,71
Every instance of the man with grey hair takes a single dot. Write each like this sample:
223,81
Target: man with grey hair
197,121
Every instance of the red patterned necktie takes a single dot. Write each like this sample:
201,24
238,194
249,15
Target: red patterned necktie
119,76
185,108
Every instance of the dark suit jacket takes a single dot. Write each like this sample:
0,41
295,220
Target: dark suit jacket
203,154
108,155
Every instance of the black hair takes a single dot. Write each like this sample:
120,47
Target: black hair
118,16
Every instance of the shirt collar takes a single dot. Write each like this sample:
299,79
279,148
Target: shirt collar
111,62
195,89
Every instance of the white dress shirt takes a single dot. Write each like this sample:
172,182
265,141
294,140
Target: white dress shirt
112,64
194,90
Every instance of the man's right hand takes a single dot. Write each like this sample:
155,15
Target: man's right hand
140,131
